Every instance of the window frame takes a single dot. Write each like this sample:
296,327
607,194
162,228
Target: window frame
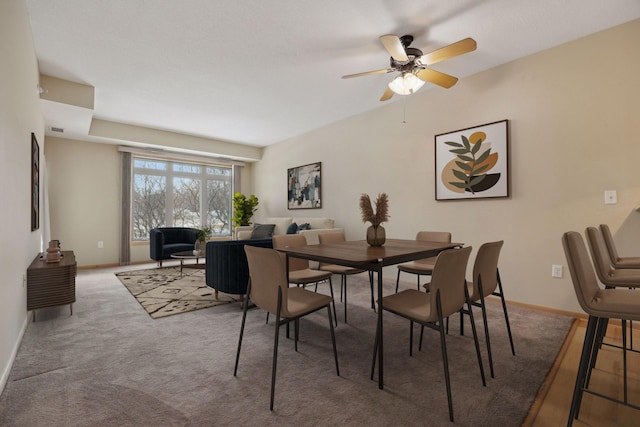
169,175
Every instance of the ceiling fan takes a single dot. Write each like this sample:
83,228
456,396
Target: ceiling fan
414,66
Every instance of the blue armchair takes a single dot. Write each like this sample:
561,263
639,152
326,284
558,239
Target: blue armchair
226,267
164,241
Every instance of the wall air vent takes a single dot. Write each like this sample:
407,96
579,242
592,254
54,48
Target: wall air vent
55,129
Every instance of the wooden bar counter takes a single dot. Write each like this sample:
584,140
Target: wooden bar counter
51,283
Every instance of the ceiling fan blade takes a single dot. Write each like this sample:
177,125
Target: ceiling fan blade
386,95
436,77
454,49
367,73
394,46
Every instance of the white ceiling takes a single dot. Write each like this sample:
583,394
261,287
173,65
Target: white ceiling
257,72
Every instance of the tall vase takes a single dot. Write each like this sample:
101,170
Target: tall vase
376,235
201,247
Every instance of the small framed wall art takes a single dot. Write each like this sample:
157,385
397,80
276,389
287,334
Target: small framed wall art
472,163
35,183
304,185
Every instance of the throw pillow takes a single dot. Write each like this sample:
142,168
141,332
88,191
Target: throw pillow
262,231
304,226
293,228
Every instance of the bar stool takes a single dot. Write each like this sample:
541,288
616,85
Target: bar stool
601,305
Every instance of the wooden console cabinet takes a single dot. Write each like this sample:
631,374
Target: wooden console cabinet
51,283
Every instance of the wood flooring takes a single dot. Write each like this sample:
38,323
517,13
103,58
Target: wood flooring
553,403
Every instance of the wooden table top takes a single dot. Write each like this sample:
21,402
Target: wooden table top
359,253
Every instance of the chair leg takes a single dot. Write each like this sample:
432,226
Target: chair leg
506,315
397,281
475,335
583,366
343,283
445,359
333,340
275,349
422,333
486,335
333,301
375,349
601,331
624,358
296,333
410,338
486,325
244,318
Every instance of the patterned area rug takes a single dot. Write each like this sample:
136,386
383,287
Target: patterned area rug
164,291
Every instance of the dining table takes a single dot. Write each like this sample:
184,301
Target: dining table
359,254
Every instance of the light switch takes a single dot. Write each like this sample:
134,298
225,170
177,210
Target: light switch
610,197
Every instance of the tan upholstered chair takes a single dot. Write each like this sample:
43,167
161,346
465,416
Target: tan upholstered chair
343,271
601,305
616,260
269,290
299,272
423,267
608,275
486,282
447,296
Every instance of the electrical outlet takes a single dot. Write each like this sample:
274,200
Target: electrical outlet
100,244
610,197
556,270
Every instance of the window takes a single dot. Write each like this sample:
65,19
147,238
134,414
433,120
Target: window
179,194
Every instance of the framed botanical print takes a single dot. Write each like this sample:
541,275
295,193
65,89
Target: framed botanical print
472,163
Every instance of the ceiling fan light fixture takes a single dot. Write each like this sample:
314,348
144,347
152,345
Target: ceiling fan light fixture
406,84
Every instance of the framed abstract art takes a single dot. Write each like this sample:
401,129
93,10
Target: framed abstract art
304,184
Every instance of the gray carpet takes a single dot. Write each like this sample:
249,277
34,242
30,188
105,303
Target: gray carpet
111,364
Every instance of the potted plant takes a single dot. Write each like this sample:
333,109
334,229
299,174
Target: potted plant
243,208
376,235
202,235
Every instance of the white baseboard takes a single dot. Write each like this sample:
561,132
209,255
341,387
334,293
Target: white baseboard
7,369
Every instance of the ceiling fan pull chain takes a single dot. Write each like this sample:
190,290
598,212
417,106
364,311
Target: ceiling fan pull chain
404,111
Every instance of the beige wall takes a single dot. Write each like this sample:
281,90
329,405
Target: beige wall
84,199
19,116
573,114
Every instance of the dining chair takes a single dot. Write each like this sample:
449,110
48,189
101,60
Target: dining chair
268,289
616,260
448,294
423,267
343,271
299,272
609,276
606,272
601,305
486,282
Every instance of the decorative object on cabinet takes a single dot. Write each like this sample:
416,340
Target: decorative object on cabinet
304,187
472,163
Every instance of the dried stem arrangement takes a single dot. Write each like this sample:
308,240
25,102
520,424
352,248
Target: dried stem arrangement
380,215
